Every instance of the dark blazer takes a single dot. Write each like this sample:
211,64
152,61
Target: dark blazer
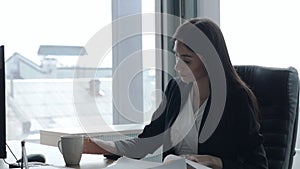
236,140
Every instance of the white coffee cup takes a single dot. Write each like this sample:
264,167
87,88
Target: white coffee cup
71,147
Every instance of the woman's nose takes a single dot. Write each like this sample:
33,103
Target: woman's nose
178,65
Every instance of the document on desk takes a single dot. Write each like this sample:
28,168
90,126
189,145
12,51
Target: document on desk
192,164
125,162
170,162
49,167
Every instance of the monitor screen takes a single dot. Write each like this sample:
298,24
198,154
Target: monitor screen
2,105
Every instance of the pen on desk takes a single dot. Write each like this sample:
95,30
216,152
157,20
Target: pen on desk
22,157
24,161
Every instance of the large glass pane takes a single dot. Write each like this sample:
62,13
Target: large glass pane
44,41
48,82
262,32
149,80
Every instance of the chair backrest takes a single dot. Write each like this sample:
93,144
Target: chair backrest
277,92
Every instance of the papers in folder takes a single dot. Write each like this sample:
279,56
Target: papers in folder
170,162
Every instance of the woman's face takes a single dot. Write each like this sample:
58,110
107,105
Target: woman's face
188,65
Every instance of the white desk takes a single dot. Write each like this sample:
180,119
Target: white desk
53,156
113,132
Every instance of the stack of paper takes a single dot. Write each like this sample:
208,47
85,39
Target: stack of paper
170,162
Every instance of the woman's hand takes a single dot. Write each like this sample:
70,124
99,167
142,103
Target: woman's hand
90,147
207,160
97,147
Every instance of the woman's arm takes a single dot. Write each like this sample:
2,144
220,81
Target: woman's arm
255,159
147,142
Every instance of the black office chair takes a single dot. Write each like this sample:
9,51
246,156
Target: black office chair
277,91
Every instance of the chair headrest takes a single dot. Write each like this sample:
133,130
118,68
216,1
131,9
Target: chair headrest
270,84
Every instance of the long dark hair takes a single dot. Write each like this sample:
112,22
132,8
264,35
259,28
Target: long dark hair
214,34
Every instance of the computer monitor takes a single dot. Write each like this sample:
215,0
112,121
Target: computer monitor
2,105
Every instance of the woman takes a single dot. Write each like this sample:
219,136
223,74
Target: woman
234,144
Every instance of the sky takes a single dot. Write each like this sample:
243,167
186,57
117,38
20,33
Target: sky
26,24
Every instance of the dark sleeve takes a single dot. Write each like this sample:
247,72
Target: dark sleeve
152,136
254,159
251,153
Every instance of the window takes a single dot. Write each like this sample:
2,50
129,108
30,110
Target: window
262,32
44,42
